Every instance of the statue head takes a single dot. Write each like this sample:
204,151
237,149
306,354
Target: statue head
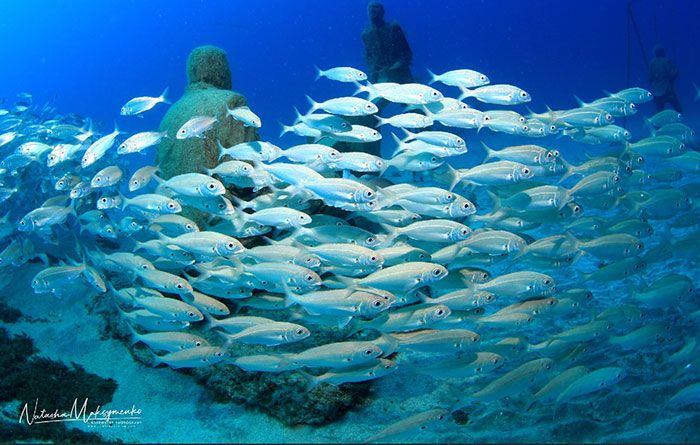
659,51
375,13
208,65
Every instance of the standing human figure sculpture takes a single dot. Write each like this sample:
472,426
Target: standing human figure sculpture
387,53
662,75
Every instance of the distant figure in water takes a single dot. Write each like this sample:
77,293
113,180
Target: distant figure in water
662,75
387,53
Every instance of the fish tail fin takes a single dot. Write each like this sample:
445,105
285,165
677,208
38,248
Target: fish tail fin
319,72
400,145
570,170
313,103
135,337
164,96
360,88
454,177
157,360
433,77
392,232
648,123
369,89
222,149
285,129
240,203
466,92
288,296
210,321
310,381
408,136
297,115
380,120
490,153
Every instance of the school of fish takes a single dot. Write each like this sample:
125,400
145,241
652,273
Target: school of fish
523,277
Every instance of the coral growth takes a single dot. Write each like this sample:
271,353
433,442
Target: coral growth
27,377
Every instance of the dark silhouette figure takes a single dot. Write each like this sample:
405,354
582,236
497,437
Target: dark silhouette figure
662,75
387,53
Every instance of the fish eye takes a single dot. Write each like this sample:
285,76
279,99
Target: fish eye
369,193
188,226
439,312
370,239
465,232
369,352
547,281
421,256
171,205
211,186
182,131
98,179
377,303
230,245
633,106
465,205
309,278
526,128
433,159
548,366
436,271
221,205
300,331
486,118
373,258
526,171
179,286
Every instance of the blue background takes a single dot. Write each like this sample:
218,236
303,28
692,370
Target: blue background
92,56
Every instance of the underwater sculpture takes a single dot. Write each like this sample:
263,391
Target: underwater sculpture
208,93
388,57
448,278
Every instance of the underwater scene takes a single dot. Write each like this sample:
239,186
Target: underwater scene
349,222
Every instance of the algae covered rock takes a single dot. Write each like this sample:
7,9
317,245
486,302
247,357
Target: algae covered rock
208,94
283,396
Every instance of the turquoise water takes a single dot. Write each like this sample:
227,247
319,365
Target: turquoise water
594,337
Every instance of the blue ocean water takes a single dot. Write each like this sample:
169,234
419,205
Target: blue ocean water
89,58
92,57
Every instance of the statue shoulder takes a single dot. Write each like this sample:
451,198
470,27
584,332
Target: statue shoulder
395,27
